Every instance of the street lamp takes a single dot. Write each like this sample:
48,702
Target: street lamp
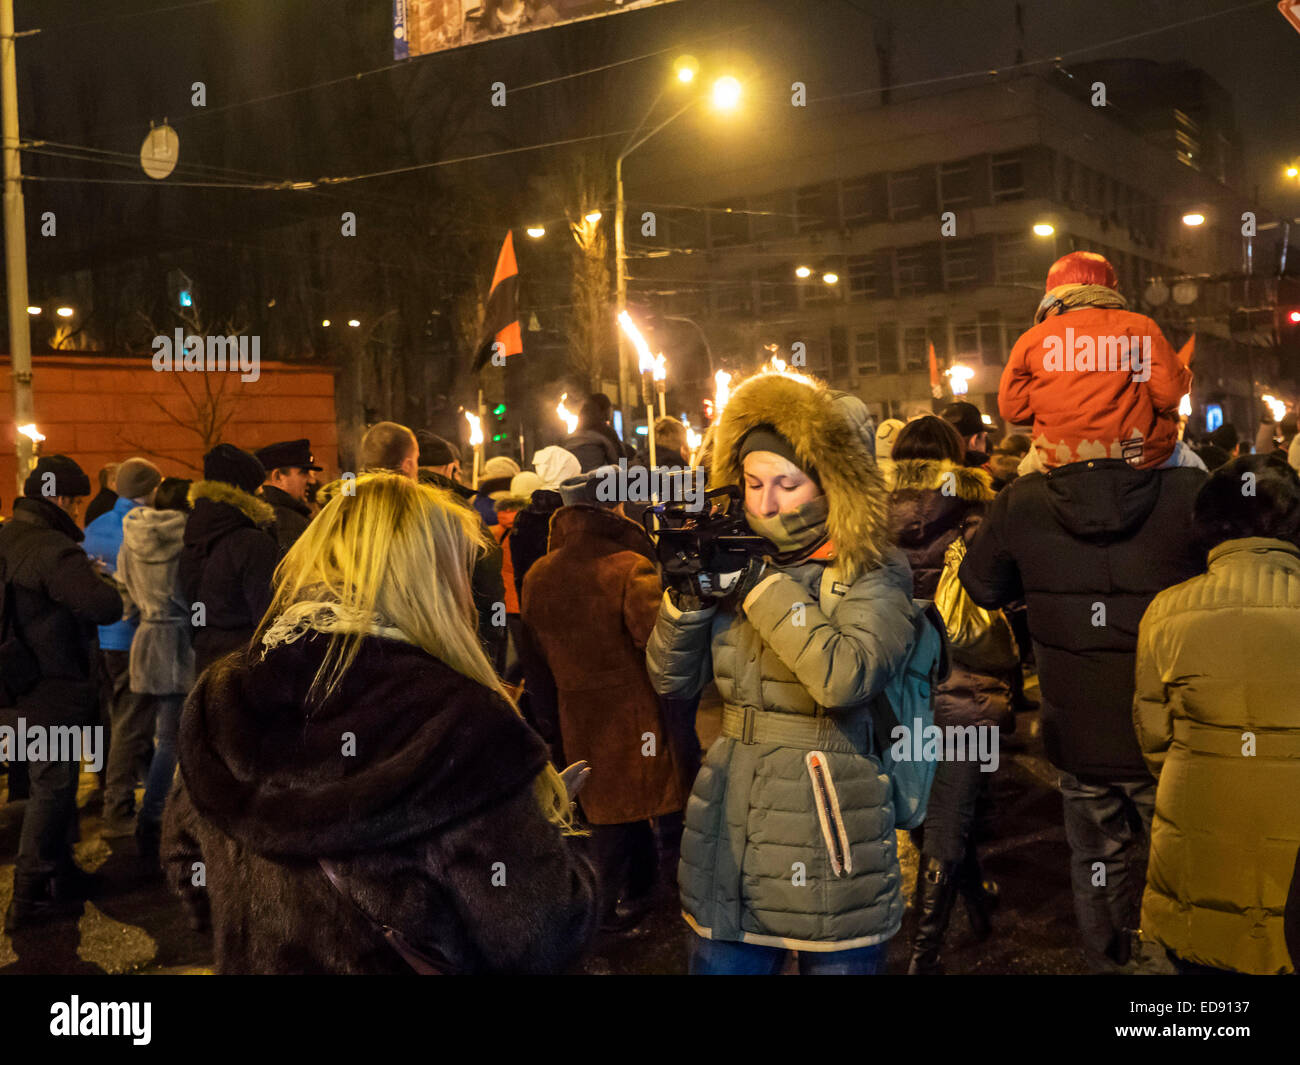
1193,218
803,271
65,312
831,278
33,311
536,232
1044,229
726,97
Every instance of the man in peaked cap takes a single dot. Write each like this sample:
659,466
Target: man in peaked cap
289,474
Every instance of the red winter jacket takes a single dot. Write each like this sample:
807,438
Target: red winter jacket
1081,412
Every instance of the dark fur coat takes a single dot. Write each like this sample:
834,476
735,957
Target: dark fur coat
416,781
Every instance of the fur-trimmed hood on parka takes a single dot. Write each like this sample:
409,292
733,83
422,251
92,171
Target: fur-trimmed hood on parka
828,431
258,511
967,483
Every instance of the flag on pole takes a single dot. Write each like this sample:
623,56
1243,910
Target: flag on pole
936,382
501,315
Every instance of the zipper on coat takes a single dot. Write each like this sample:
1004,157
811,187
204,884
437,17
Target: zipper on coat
827,802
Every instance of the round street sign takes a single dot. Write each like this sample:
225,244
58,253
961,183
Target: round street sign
159,152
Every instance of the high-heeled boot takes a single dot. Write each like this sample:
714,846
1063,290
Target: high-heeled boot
936,889
980,895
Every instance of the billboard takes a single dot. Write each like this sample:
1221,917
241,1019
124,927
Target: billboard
424,26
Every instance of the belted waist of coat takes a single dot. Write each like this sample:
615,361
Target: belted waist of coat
1214,739
848,735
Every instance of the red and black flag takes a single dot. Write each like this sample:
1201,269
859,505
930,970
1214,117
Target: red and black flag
501,316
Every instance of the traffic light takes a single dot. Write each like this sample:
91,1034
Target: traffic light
1288,317
500,432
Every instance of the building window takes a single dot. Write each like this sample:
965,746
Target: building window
1008,177
990,333
910,272
954,185
865,353
863,277
776,289
1187,138
916,350
904,195
839,353
855,201
959,264
887,346
771,218
1011,258
728,225
813,208
966,338
732,297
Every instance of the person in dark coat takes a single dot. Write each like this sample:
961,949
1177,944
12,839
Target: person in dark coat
594,443
229,555
389,784
969,422
1087,546
57,596
106,499
592,602
290,472
935,501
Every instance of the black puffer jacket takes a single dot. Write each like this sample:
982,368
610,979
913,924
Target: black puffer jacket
226,564
931,505
430,816
58,599
1087,546
592,448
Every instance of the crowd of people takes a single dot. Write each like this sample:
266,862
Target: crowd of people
398,722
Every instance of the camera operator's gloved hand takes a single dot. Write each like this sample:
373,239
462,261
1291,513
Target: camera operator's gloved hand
747,582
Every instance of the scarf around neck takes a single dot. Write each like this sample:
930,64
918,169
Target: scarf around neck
1071,297
795,533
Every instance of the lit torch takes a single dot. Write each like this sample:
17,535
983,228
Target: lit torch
475,440
567,416
693,439
647,365
721,392
661,383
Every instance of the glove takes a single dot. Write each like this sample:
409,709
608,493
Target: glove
747,581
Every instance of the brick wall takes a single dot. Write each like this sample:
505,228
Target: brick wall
100,410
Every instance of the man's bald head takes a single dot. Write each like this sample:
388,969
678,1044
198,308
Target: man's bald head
392,447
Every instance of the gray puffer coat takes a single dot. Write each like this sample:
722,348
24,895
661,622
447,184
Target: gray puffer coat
162,656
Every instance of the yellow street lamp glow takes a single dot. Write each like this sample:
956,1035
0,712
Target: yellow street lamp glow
1292,171
536,232
31,432
726,94
325,322
475,429
686,68
803,271
65,312
592,216
33,310
831,278
353,323
1044,229
1193,218
567,416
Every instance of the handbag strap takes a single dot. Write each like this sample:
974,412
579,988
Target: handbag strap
421,963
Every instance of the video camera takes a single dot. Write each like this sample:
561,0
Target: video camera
714,539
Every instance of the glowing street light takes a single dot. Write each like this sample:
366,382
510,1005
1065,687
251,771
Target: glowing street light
803,271
65,312
567,416
1193,218
536,232
1044,229
354,323
831,278
33,311
592,216
726,93
325,322
686,68
1292,171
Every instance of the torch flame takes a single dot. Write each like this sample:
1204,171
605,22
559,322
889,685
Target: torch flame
30,432
1276,407
1185,406
567,416
475,429
721,391
660,367
647,361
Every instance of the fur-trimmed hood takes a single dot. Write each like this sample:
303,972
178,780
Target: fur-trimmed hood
963,482
828,430
258,511
153,535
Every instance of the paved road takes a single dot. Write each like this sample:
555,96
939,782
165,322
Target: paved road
137,928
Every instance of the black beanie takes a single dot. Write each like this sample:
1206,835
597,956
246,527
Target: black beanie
68,479
434,450
233,465
765,438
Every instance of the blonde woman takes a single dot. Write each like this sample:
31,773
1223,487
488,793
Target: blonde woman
362,793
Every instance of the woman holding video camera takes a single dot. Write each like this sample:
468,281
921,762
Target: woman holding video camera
789,841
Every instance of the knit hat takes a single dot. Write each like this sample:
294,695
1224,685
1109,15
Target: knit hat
585,486
554,464
496,474
435,451
524,484
56,475
137,477
885,437
765,438
235,466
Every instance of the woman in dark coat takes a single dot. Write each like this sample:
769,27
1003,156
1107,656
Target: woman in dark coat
361,767
936,500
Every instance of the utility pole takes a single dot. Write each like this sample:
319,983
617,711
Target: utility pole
20,338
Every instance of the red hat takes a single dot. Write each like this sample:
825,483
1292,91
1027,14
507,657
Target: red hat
1082,268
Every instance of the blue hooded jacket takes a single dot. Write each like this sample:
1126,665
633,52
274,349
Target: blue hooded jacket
103,541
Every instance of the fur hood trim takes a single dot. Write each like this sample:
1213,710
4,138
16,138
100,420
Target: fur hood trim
827,431
258,511
967,483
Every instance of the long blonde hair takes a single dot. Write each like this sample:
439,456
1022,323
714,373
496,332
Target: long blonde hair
387,548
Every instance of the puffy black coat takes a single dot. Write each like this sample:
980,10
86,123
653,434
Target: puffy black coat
58,600
291,515
226,564
435,804
532,529
1087,546
592,448
931,505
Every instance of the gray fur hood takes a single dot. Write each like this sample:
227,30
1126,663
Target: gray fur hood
153,535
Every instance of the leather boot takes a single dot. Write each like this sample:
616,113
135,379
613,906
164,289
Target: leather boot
36,901
936,884
980,895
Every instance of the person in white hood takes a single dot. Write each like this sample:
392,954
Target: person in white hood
162,658
554,465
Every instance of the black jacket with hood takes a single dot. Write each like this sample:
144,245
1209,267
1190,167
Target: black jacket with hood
430,818
58,599
226,564
1087,546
